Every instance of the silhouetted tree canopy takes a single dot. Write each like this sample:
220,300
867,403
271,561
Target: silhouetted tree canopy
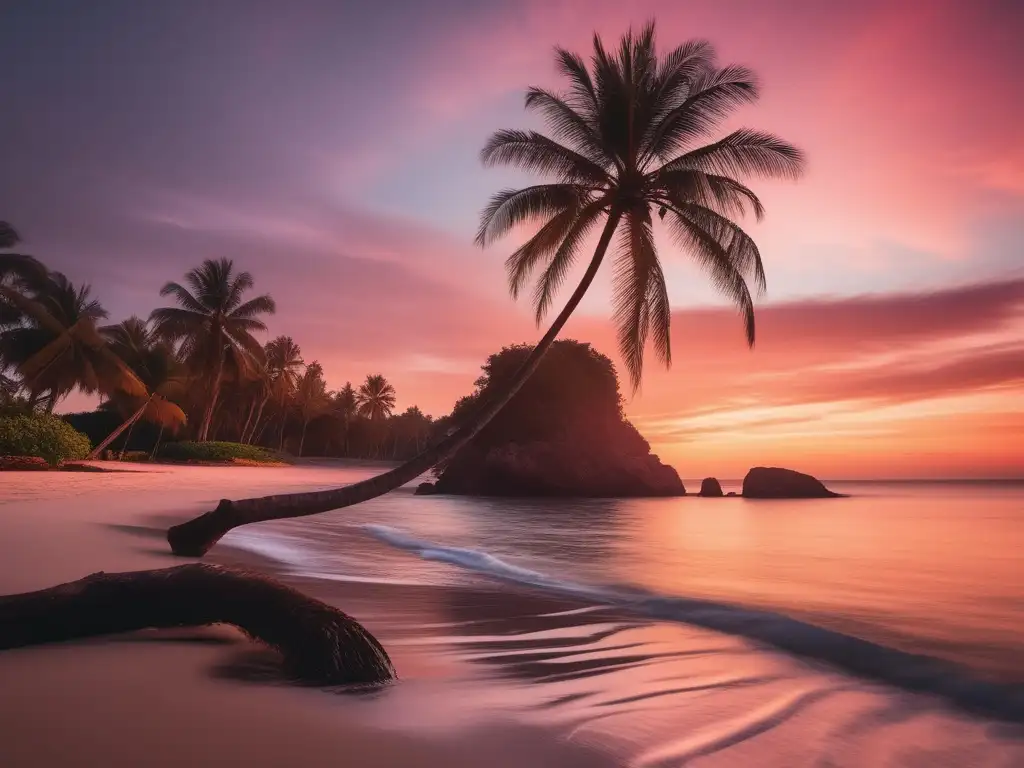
574,391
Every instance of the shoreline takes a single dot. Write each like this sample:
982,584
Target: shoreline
498,674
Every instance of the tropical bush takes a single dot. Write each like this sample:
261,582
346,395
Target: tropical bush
43,435
216,451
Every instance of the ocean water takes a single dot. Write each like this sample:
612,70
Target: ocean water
886,628
932,568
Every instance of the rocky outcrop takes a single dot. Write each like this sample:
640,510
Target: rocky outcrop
23,464
557,469
425,489
710,486
779,483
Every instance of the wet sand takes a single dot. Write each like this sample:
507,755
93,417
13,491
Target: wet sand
209,697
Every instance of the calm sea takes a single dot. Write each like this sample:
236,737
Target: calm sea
935,568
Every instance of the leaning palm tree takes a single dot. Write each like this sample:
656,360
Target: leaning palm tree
627,151
153,361
213,325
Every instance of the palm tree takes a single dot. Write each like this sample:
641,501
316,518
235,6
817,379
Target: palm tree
626,150
375,398
213,325
153,361
345,405
57,348
311,397
284,364
17,271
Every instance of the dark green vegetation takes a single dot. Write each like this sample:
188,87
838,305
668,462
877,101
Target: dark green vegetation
318,643
563,434
42,435
216,452
629,147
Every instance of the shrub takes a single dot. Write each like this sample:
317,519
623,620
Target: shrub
43,435
216,451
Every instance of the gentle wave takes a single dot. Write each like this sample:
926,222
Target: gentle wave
852,654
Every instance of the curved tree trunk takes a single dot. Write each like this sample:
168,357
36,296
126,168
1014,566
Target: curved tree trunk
128,438
319,643
95,453
302,438
194,538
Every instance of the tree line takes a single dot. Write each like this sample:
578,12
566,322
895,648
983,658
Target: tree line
193,369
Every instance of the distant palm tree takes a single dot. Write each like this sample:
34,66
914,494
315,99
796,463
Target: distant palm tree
284,366
375,398
57,348
345,405
213,325
626,150
311,397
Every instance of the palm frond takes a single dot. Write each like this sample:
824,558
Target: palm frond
568,124
721,193
641,306
712,98
519,206
717,262
554,275
532,151
184,297
261,305
242,283
582,96
741,248
175,323
744,152
545,243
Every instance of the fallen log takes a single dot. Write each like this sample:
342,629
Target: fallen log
318,643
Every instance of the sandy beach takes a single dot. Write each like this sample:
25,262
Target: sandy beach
489,674
162,699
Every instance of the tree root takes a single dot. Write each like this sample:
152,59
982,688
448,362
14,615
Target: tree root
319,643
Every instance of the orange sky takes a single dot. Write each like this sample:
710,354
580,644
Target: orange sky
333,153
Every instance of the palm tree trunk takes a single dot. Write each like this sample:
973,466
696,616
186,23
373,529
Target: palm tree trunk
114,435
156,445
195,537
284,420
250,433
248,418
204,430
302,439
128,438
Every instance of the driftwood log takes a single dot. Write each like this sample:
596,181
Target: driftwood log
318,643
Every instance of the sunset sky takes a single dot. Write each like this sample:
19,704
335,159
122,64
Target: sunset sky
332,148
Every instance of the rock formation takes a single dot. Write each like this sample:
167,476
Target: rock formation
779,483
710,486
